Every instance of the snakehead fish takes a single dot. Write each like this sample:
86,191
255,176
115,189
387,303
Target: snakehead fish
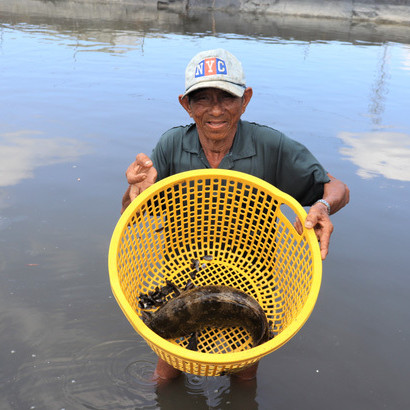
209,306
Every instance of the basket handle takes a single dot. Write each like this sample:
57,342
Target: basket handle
291,216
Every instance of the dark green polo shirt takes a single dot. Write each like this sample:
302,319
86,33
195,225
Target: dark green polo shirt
257,150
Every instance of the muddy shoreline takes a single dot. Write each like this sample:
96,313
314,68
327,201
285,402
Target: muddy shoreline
375,11
175,17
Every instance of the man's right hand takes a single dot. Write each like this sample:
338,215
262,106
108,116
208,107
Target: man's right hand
140,175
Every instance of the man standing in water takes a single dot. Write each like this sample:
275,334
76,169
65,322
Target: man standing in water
215,97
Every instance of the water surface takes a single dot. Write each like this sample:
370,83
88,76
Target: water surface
81,95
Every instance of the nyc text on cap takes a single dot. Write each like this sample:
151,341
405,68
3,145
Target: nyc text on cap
216,69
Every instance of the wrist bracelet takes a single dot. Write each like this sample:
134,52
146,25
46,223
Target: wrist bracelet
324,202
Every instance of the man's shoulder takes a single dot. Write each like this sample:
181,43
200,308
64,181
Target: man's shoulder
260,129
179,130
262,133
174,136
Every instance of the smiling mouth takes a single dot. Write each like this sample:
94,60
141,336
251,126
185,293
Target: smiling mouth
216,124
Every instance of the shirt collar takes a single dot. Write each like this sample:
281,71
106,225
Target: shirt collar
243,144
190,142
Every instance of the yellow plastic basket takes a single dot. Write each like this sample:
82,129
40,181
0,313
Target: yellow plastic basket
239,221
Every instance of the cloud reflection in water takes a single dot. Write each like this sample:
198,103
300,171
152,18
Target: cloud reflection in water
378,153
23,151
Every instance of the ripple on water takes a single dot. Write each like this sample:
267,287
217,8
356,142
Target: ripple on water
110,375
118,375
212,389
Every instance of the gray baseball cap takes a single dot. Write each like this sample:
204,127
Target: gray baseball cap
216,69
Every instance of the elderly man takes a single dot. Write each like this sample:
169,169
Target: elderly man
215,97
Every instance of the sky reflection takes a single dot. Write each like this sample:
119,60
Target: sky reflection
21,152
379,153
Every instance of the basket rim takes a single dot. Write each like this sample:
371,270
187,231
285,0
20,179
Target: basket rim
220,358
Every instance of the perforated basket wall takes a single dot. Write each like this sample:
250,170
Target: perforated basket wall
238,222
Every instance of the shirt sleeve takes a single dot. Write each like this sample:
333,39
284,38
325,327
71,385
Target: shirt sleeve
161,156
299,173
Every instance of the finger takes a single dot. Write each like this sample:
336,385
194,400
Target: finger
147,182
134,191
316,213
324,249
298,226
324,233
152,175
138,170
311,219
136,178
143,164
143,159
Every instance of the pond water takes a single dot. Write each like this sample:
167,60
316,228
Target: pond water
83,90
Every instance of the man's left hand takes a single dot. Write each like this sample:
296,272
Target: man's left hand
319,220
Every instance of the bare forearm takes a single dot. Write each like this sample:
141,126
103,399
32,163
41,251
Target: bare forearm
126,199
336,193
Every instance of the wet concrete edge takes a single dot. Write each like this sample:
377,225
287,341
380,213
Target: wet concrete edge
377,11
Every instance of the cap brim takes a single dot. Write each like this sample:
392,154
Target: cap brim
235,89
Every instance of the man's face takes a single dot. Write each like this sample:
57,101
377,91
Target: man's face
216,112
